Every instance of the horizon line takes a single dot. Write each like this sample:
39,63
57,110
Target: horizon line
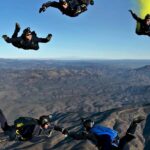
79,59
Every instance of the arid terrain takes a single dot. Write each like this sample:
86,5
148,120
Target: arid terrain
112,93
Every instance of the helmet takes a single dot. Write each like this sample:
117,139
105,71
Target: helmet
26,31
147,16
88,123
62,1
45,120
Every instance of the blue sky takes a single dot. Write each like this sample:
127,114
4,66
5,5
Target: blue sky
105,31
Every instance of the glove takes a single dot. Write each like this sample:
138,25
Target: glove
131,11
49,36
42,9
6,38
65,131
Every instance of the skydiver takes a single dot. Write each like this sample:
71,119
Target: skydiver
28,39
26,128
70,8
144,24
105,138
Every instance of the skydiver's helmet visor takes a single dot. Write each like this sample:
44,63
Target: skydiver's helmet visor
27,34
88,124
27,31
45,120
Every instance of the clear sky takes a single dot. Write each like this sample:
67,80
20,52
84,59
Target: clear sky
105,31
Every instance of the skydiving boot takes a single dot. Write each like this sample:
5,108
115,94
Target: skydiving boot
131,130
92,2
138,119
17,29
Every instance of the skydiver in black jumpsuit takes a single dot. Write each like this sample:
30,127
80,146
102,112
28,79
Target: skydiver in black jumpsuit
144,24
28,40
70,8
27,128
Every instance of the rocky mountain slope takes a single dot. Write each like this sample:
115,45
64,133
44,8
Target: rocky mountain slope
109,93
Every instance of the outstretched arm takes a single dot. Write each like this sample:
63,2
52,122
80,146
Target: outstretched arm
80,136
58,128
135,16
49,4
77,136
10,40
44,40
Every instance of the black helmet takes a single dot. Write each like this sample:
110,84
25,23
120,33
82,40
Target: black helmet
26,31
45,120
147,16
62,1
88,123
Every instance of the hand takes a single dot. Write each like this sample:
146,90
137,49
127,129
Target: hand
49,36
42,9
130,11
65,131
84,133
6,38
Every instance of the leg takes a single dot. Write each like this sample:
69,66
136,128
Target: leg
124,140
87,2
83,5
8,130
130,132
17,29
3,122
14,36
104,142
15,41
92,2
135,122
